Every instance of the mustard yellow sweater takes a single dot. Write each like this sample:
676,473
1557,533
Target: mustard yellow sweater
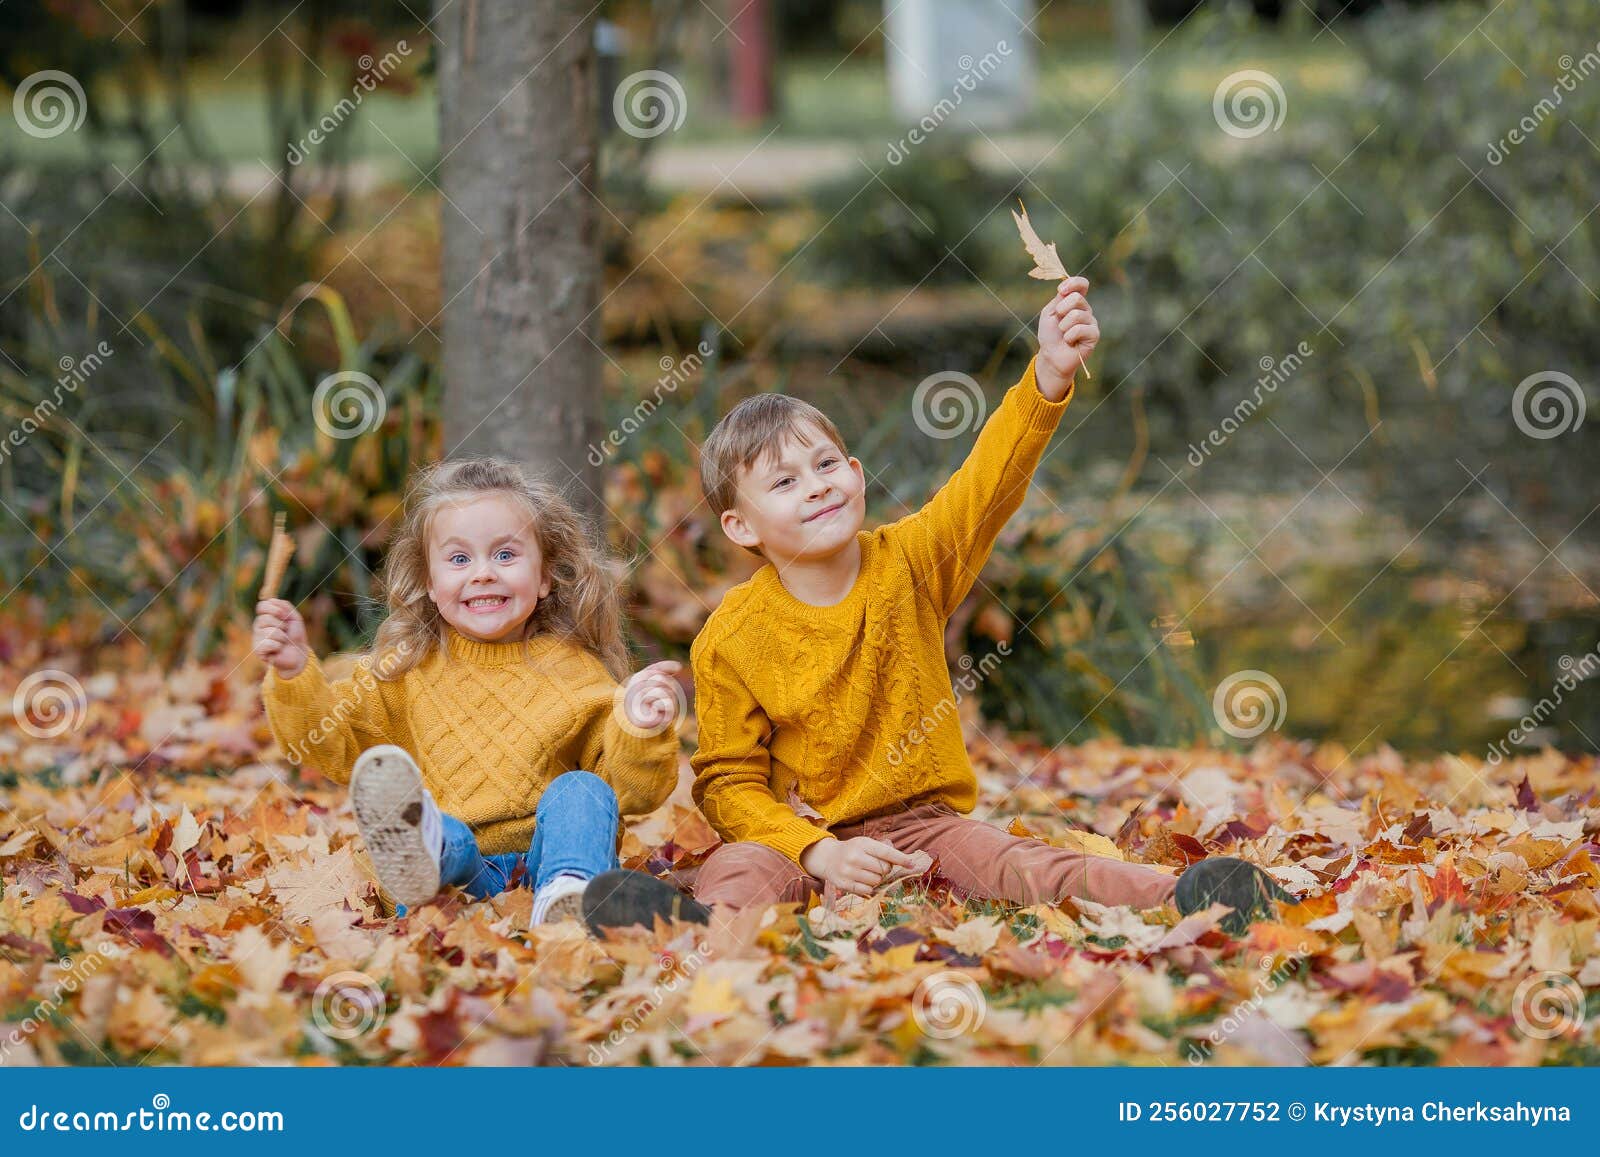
850,707
490,725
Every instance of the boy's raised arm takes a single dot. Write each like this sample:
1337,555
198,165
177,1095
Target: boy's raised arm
732,765
950,538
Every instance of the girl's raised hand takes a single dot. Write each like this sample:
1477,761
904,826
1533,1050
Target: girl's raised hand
653,700
279,637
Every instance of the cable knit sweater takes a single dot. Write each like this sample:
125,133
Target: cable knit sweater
847,711
489,724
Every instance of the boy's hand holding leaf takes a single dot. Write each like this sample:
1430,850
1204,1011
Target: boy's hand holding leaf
855,866
1068,332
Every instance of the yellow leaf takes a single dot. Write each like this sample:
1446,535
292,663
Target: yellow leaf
152,895
1089,843
973,937
713,996
18,842
894,960
1046,262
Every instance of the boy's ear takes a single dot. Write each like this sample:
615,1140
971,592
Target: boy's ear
738,530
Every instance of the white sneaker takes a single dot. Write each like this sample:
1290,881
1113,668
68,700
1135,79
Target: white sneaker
399,823
560,899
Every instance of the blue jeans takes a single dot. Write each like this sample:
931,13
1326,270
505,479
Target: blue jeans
575,830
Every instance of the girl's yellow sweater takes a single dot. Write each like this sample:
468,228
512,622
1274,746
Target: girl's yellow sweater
490,725
847,711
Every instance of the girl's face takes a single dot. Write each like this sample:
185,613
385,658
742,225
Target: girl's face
485,573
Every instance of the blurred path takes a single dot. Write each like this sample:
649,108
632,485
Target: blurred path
760,169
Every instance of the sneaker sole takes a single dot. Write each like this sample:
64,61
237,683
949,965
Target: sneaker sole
568,907
386,793
1245,888
620,898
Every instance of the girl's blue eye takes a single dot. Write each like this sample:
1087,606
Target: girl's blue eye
503,552
457,555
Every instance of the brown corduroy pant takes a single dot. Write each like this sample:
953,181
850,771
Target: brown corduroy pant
979,859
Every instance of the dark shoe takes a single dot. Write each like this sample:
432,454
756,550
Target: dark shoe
619,898
1228,880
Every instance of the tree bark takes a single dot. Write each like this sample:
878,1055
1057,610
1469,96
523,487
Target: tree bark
521,263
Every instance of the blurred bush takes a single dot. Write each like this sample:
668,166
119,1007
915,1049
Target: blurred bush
921,221
145,506
1428,272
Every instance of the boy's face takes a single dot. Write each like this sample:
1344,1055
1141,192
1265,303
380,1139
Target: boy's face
485,573
802,502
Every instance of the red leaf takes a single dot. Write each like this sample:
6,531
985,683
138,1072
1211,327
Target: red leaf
1447,886
163,839
1526,800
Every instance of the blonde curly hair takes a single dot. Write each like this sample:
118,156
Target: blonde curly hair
584,606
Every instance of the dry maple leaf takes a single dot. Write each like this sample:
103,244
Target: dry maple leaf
1046,261
921,864
1427,925
324,882
1047,265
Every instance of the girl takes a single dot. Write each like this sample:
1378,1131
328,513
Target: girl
484,738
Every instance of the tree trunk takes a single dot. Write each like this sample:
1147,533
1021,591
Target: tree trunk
517,138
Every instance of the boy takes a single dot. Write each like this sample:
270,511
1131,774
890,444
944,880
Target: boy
811,675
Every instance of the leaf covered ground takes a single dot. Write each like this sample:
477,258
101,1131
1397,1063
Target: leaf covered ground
175,893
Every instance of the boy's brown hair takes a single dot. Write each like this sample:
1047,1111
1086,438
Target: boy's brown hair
755,427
